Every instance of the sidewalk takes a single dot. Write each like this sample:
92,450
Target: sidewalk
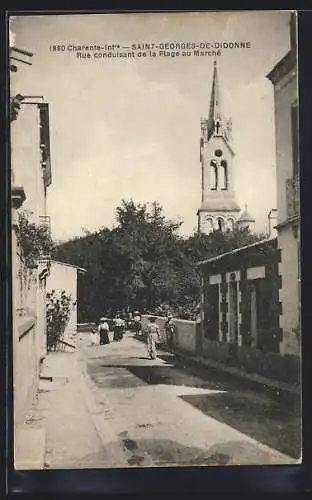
65,413
277,386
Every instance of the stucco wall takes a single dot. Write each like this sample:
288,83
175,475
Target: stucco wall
25,369
288,293
64,277
187,333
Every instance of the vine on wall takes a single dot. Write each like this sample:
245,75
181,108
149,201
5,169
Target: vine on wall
34,240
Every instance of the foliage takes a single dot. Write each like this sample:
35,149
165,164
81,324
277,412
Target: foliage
201,246
58,313
34,240
143,262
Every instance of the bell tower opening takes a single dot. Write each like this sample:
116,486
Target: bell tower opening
213,175
223,175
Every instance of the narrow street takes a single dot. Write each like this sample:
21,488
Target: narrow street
164,413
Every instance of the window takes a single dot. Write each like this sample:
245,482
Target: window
231,224
223,175
220,223
213,175
209,224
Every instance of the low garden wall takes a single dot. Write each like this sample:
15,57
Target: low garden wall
271,365
85,327
187,333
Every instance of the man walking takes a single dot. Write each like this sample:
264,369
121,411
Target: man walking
153,334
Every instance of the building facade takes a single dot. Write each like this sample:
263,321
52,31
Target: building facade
219,209
285,83
30,179
241,312
240,296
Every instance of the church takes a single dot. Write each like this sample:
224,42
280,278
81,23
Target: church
219,209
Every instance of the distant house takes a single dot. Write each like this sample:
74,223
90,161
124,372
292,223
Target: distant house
64,277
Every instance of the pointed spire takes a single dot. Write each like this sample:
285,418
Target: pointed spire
217,124
215,114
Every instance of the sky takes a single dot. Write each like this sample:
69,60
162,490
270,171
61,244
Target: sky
126,128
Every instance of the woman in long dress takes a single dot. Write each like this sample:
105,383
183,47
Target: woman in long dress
119,327
103,330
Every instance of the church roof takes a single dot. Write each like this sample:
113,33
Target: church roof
245,216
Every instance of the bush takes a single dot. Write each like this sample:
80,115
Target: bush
58,313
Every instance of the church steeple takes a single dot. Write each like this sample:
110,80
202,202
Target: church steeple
215,113
219,209
217,124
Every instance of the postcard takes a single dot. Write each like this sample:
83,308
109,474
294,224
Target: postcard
155,239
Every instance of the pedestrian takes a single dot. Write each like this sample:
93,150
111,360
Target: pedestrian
137,322
94,337
103,330
153,335
119,328
169,329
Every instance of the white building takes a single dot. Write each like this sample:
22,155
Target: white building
31,177
284,79
64,277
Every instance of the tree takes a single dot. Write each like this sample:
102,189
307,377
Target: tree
143,262
201,246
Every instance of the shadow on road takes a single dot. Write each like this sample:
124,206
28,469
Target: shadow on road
239,406
262,420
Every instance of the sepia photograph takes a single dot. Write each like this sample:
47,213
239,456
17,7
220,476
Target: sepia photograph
156,283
